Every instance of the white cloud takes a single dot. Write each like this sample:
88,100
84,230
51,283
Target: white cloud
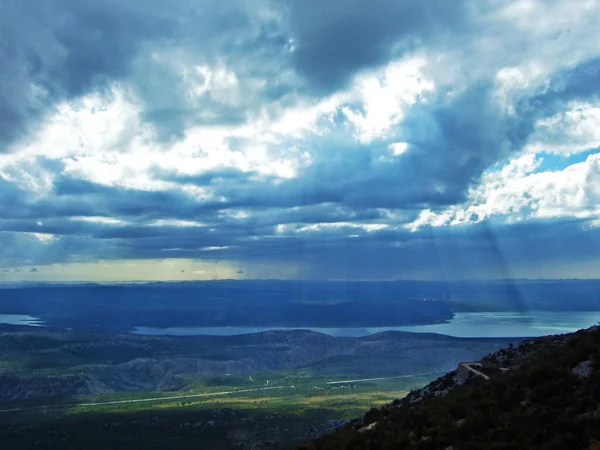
572,131
517,192
175,223
103,139
307,117
95,123
26,172
221,83
98,219
336,225
214,248
398,148
382,97
44,238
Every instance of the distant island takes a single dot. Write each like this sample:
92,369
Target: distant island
281,303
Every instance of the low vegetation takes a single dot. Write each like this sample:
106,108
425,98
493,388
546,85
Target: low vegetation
277,418
537,393
106,390
550,399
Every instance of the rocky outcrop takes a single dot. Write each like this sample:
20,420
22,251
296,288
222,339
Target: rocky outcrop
584,369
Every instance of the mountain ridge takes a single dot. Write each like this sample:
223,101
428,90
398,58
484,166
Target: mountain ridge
39,362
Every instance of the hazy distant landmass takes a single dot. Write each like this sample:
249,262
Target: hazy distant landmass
277,303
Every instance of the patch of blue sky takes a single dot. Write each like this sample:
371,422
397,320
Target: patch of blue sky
548,162
553,161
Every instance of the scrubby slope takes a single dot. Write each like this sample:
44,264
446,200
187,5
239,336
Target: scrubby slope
36,363
550,398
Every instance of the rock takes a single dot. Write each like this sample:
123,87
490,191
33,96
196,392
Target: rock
583,370
590,415
335,423
368,427
462,375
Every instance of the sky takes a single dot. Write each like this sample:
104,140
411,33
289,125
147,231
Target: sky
306,139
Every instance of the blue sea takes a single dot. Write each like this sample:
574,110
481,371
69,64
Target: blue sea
19,319
475,325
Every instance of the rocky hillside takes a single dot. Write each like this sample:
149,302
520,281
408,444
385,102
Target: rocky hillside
543,393
45,363
13,388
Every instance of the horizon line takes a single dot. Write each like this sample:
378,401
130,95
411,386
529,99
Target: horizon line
314,280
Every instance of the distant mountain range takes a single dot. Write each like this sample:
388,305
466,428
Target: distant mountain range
37,363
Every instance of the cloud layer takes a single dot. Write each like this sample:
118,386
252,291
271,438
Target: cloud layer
363,140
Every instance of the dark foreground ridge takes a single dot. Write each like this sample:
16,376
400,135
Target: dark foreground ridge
544,393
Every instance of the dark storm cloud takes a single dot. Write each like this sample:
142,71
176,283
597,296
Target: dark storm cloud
232,35
78,198
581,82
330,252
59,49
23,248
483,250
337,39
496,251
455,142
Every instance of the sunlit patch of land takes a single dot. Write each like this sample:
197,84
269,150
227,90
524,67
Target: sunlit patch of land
279,388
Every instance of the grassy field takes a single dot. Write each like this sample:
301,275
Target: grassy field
286,408
289,392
